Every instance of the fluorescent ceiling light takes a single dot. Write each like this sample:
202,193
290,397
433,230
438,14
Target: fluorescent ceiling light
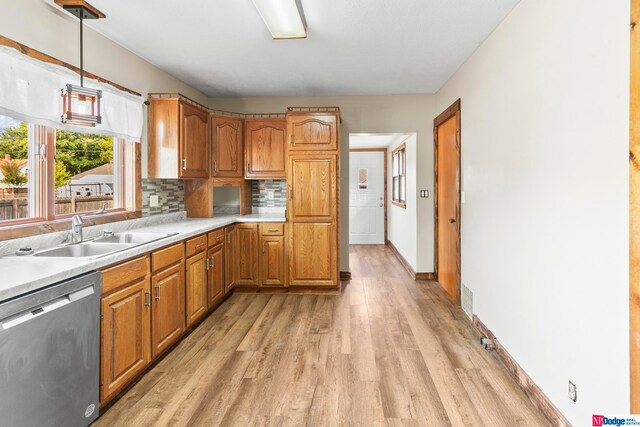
284,18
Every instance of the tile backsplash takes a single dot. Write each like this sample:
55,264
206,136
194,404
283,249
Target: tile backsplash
260,193
170,193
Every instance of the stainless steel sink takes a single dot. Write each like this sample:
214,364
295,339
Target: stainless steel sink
133,238
103,246
83,250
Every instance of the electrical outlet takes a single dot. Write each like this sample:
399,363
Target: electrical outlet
154,201
270,194
573,392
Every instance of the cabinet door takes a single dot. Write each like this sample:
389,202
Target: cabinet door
167,317
226,147
313,257
229,258
265,148
272,259
194,142
312,131
312,192
125,336
247,271
216,274
196,287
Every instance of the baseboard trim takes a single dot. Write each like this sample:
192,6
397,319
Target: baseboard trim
537,397
345,276
407,266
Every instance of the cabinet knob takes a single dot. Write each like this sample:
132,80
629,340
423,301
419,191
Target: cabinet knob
184,164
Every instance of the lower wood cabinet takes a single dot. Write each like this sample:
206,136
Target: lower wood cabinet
272,261
125,342
229,257
216,267
313,254
196,287
167,308
247,262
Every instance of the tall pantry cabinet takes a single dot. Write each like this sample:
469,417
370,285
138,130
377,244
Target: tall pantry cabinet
313,195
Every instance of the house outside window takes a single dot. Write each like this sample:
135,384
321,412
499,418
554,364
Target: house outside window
399,173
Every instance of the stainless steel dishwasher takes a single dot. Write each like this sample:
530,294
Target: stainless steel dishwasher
50,354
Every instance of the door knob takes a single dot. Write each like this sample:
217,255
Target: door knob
452,220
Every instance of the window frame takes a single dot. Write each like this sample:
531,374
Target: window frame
399,155
42,217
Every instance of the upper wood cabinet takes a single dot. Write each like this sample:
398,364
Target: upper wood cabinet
313,187
226,146
312,131
265,148
178,139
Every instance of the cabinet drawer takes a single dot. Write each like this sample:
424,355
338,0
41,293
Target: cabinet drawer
166,257
125,273
216,237
195,245
271,229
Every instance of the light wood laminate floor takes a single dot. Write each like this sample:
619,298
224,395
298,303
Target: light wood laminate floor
387,351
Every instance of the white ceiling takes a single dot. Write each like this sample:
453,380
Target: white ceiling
354,47
376,140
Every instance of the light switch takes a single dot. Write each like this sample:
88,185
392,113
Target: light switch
270,194
424,194
154,200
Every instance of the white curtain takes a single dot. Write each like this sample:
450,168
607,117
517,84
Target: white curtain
30,90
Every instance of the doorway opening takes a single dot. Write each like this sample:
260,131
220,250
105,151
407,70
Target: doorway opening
446,156
368,194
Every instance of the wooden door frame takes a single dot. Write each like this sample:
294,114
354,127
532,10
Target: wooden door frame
634,211
384,150
453,110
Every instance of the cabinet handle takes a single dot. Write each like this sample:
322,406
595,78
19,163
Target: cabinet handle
184,164
147,296
206,264
272,230
199,245
158,292
247,167
215,166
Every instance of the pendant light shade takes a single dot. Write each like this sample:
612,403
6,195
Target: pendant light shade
284,18
81,105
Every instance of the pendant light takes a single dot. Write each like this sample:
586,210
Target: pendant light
81,105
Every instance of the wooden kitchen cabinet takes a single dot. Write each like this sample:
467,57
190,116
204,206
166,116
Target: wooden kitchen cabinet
178,139
168,307
265,148
226,147
216,267
229,257
196,287
313,187
313,259
272,257
312,131
125,339
247,253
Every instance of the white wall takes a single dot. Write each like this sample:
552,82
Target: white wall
43,27
403,222
545,108
369,114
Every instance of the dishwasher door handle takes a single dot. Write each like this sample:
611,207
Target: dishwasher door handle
44,308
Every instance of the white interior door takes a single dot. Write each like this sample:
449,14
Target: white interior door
366,197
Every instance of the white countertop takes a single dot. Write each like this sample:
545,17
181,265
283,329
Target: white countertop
20,275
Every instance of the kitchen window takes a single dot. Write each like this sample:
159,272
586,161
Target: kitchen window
80,173
399,170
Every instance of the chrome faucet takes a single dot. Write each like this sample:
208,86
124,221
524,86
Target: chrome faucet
101,211
76,229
